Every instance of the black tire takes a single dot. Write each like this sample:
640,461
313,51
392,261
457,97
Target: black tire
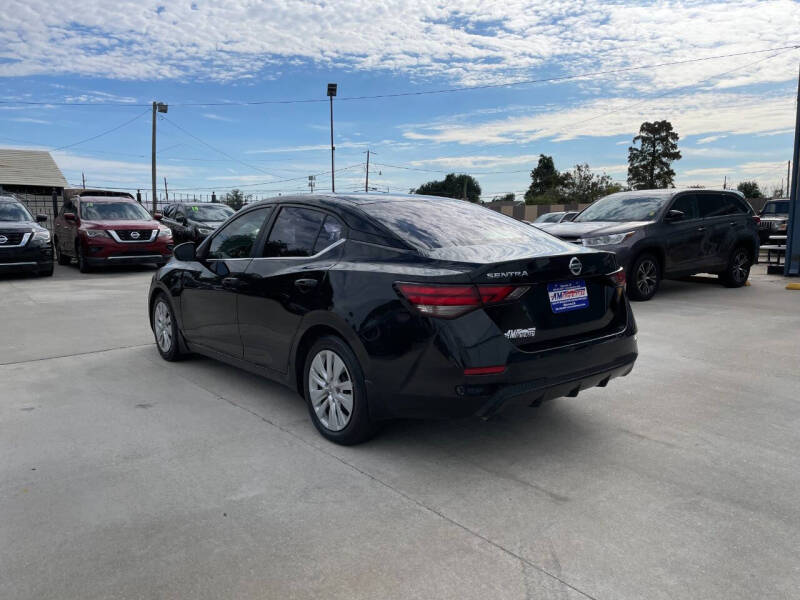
358,427
644,278
161,312
46,272
62,258
738,269
83,264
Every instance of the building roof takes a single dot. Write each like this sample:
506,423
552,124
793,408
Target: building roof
35,168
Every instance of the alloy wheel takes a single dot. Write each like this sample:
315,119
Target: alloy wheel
330,388
162,323
739,266
646,277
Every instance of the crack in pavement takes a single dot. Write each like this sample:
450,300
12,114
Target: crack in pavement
101,351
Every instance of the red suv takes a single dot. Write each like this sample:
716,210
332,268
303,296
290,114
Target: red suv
102,228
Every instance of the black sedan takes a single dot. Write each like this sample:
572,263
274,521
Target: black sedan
379,307
25,246
194,222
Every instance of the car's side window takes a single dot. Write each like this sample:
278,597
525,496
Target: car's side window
237,238
330,233
295,232
687,204
715,205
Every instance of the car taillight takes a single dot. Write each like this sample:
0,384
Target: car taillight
618,277
485,370
449,301
757,219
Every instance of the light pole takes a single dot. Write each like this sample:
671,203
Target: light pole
331,94
162,108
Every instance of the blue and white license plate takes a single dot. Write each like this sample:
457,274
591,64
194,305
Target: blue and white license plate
568,295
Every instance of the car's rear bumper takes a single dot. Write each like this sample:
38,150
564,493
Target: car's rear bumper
139,259
529,379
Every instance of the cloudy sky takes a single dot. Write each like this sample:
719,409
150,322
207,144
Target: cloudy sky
245,82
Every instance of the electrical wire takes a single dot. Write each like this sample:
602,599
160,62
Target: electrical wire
94,137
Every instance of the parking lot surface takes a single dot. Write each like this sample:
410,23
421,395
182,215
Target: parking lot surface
123,476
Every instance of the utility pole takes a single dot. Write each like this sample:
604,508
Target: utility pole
791,264
366,180
83,180
158,107
311,181
725,183
166,191
788,177
331,93
464,195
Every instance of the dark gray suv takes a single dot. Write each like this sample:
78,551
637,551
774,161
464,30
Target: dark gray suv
669,233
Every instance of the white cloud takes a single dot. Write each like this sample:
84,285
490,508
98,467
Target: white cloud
711,138
216,117
31,120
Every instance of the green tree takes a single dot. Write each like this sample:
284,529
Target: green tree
750,189
452,186
584,187
236,199
649,163
547,184
509,197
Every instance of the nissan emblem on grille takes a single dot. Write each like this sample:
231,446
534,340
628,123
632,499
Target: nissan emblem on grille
3,239
135,235
575,266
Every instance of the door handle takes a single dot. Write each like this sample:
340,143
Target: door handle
305,285
232,283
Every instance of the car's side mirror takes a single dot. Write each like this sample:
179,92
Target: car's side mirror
674,215
158,216
41,218
186,252
70,217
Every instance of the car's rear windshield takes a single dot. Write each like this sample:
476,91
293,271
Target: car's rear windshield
14,211
776,208
623,207
113,211
433,223
213,212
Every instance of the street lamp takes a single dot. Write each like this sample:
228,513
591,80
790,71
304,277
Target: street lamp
162,108
331,94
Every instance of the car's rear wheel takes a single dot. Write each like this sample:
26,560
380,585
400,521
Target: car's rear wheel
333,386
165,329
645,277
738,269
62,258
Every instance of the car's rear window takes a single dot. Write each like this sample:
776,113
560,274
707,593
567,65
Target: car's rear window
433,223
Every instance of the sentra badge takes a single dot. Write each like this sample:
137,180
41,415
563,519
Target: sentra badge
507,274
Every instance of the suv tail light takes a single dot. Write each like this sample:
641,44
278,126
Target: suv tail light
757,219
618,277
450,301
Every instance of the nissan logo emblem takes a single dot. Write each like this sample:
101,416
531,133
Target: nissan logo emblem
135,236
575,266
3,239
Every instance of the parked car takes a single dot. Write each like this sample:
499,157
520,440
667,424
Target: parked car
774,219
24,244
669,233
377,307
195,222
104,230
551,217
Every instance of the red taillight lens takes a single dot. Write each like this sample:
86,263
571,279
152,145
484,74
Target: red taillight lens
485,370
448,301
757,219
618,277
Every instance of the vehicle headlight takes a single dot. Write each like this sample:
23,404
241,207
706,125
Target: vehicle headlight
204,230
164,232
607,240
96,233
43,236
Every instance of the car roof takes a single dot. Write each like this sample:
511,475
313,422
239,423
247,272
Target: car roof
9,199
104,199
352,199
673,191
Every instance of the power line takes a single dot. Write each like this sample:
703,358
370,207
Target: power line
94,137
417,93
449,170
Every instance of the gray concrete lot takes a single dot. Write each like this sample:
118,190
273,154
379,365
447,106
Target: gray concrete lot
123,476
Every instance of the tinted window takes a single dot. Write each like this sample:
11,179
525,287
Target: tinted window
687,204
167,212
208,212
294,233
549,218
113,211
444,223
236,239
776,208
715,205
330,233
13,211
624,207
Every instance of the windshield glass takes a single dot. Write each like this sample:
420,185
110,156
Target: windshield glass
776,208
14,211
443,223
623,207
208,212
113,211
549,217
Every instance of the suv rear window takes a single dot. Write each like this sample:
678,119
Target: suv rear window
776,208
443,223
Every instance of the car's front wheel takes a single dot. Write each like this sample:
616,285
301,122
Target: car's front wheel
333,386
645,277
738,269
165,329
83,264
61,258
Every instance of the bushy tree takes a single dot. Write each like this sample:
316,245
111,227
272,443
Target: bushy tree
547,184
649,162
750,189
236,199
509,197
584,187
452,186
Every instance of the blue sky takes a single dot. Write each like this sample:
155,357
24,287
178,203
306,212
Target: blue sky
735,115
